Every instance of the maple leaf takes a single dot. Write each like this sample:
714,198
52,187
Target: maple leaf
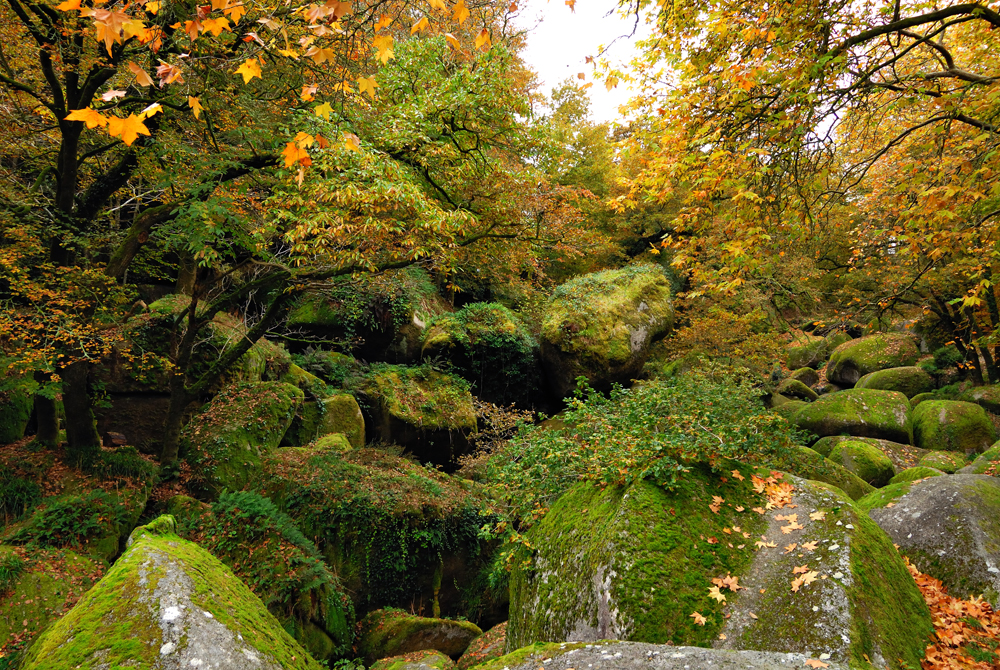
351,142
68,5
235,12
790,548
215,26
384,22
727,531
308,92
323,111
367,85
168,74
816,663
91,117
419,25
383,43
293,154
249,70
304,140
810,577
712,540
437,4
108,96
698,618
195,105
141,76
738,475
453,41
714,592
128,129
740,508
461,12
818,515
151,110
759,510
810,546
798,570
483,39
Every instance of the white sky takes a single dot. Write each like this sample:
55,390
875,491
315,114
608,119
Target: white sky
561,39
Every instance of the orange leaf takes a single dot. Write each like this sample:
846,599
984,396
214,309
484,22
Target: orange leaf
195,105
128,129
91,117
141,76
249,70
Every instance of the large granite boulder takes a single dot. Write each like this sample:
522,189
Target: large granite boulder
903,456
949,527
487,647
167,603
853,360
986,463
810,464
491,349
796,389
428,659
600,326
909,380
699,565
385,633
864,460
429,413
952,425
987,397
859,412
225,443
807,351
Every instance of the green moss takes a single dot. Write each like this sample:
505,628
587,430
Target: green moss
117,622
490,348
854,359
790,408
987,397
807,351
902,455
859,412
226,441
418,660
385,633
807,376
797,389
986,462
948,462
809,464
312,386
921,397
864,460
336,442
539,652
883,496
17,397
908,380
915,473
952,425
342,414
423,397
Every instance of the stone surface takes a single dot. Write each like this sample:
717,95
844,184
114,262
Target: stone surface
909,380
169,604
948,462
864,460
16,401
987,397
385,633
854,359
807,351
417,660
859,412
807,376
913,474
486,647
986,463
600,326
903,456
342,414
797,389
809,464
952,425
949,527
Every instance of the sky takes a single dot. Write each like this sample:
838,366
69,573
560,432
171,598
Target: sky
560,40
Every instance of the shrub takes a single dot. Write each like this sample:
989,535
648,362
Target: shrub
11,567
71,521
17,495
122,463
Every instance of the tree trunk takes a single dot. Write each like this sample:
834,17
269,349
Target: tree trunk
82,438
179,400
187,273
45,415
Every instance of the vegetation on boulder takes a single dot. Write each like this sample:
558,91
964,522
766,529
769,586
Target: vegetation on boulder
385,633
864,460
908,380
853,360
948,462
952,425
859,412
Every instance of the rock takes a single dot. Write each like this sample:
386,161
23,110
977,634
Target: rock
427,412
864,460
827,388
987,397
806,351
809,464
903,456
921,397
837,337
807,376
948,462
383,316
913,474
949,528
17,397
600,326
488,646
385,633
491,349
312,386
167,603
908,380
137,416
342,414
265,550
225,443
952,425
336,442
854,359
797,389
634,563
859,412
394,532
114,440
789,408
986,463
37,586
417,660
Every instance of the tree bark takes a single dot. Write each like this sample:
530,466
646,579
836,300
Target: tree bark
82,438
45,415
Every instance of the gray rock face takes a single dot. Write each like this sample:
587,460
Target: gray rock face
949,527
614,655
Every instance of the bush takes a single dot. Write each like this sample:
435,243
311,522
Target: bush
17,495
71,521
944,358
122,463
654,430
11,567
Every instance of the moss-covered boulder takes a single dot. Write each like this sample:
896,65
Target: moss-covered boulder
264,548
809,464
903,456
806,351
864,460
908,380
337,442
165,603
634,563
614,654
986,463
381,318
225,442
788,408
427,412
948,462
915,473
416,660
949,527
488,646
987,397
37,586
600,326
807,376
952,425
394,532
385,633
922,397
853,360
17,396
338,413
859,412
796,389
489,347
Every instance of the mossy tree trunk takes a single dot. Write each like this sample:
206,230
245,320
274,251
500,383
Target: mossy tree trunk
46,418
82,437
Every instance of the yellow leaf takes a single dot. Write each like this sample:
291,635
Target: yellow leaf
289,53
453,41
215,26
153,7
437,4
309,92
323,111
91,117
698,618
141,76
195,105
461,12
235,12
68,5
304,140
293,154
816,663
367,85
419,25
320,56
384,22
571,4
351,142
249,70
152,110
483,39
610,83
715,593
127,129
818,516
384,45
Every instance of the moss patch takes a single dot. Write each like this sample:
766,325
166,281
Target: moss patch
859,412
948,462
864,460
17,397
854,359
986,463
915,473
883,496
811,465
952,425
908,380
807,351
385,633
538,652
417,660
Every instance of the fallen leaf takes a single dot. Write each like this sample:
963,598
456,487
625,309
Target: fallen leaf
698,618
809,546
738,475
715,593
789,548
818,516
815,663
798,570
